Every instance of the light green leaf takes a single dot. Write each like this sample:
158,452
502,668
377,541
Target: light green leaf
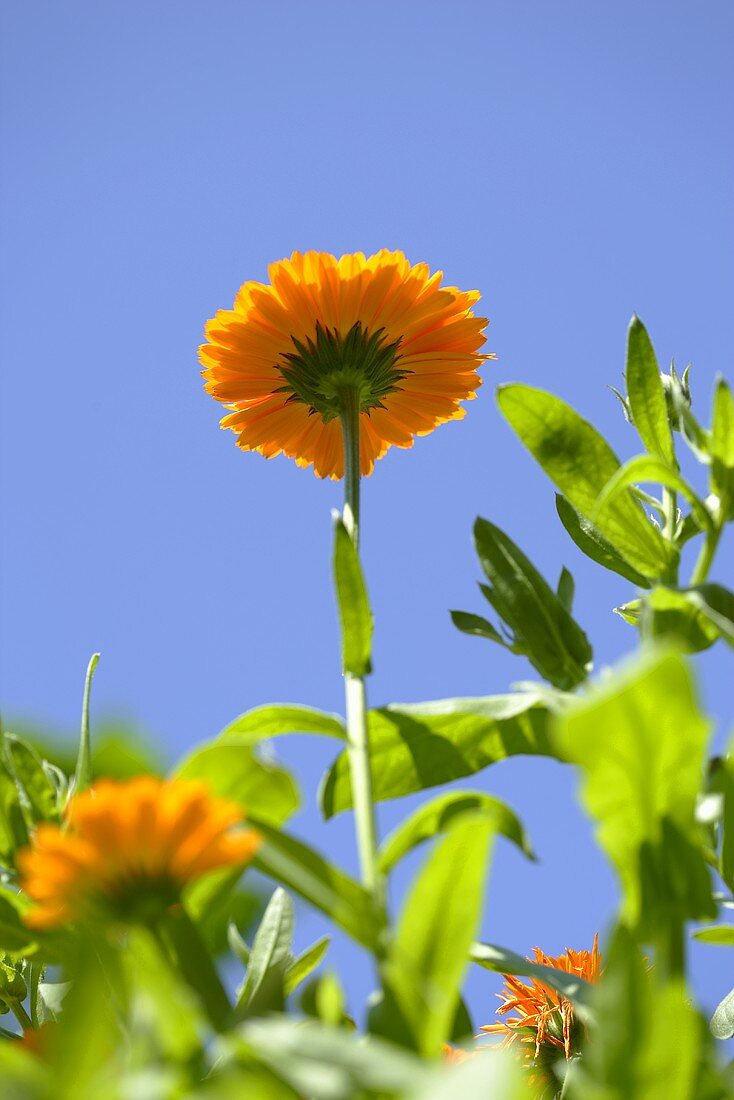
591,542
40,792
722,448
725,784
498,1077
541,626
648,468
300,968
502,961
428,955
416,746
354,608
232,771
282,718
722,1021
83,772
722,934
694,617
580,462
323,998
646,395
50,999
640,739
443,813
328,889
262,989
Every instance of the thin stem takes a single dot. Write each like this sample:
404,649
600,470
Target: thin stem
179,937
83,774
20,1013
706,556
358,749
670,512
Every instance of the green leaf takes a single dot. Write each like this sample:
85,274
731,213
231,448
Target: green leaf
282,718
443,813
262,989
413,747
428,955
580,462
591,542
542,627
329,1063
354,609
646,395
50,998
83,773
725,784
694,617
328,889
232,771
40,791
503,961
566,589
13,829
300,968
323,998
722,448
14,936
640,741
498,1077
648,468
718,933
477,626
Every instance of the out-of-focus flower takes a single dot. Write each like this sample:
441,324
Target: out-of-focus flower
536,1016
127,849
373,330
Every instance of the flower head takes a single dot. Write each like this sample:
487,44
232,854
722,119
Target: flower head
388,332
128,849
542,1019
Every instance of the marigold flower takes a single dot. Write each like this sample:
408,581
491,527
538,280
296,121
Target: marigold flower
283,357
543,1020
128,849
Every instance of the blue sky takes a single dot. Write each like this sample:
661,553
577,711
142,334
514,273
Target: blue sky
573,161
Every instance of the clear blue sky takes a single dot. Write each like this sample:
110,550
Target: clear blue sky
573,161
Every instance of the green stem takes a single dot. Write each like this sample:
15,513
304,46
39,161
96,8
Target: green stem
20,1013
179,937
83,774
706,556
358,749
670,510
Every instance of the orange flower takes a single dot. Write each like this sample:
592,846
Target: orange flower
128,850
377,328
543,1020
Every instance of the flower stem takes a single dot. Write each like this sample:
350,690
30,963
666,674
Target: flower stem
20,1013
706,557
179,936
358,749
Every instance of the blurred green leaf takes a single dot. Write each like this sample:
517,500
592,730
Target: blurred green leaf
722,448
722,1021
722,934
166,1022
497,1077
646,395
331,1063
263,988
725,785
443,813
301,967
41,793
281,718
640,739
354,609
429,953
694,617
328,889
580,462
13,829
502,961
591,542
216,901
422,745
323,999
644,468
649,1043
232,771
541,626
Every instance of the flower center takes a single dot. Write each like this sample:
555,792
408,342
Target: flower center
321,370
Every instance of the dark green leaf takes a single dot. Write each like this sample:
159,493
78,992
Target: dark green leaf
14,936
591,542
41,793
502,961
232,771
565,589
581,463
476,625
694,617
13,829
354,609
443,813
413,747
640,739
646,395
428,956
328,889
542,628
645,468
281,718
